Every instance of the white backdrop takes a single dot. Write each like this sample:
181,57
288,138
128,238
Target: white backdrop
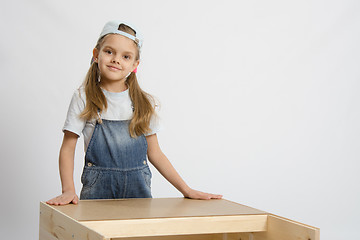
260,101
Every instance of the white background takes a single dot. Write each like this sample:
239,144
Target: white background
260,101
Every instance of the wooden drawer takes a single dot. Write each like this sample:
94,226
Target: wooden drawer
166,218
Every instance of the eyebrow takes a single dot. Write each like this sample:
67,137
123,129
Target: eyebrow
126,52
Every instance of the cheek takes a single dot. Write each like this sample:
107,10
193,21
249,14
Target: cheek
102,58
104,61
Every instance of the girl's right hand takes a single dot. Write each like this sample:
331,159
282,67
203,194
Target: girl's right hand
65,198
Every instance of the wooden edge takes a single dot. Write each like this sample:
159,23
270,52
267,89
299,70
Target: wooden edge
216,236
264,212
296,229
295,222
280,228
178,226
55,225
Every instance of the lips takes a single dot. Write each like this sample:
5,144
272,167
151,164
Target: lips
114,68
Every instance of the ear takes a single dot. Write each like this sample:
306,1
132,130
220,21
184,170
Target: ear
135,65
95,54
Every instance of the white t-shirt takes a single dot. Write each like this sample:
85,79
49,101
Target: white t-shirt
119,108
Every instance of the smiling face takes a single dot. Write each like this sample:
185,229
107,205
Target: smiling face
117,57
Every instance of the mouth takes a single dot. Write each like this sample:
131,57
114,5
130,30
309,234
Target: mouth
114,68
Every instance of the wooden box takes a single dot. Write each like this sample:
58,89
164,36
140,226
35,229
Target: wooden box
165,219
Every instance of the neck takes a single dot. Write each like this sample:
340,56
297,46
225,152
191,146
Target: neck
114,86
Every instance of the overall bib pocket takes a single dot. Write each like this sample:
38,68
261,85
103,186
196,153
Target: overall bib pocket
147,176
89,177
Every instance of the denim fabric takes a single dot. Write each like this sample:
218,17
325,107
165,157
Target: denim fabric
115,164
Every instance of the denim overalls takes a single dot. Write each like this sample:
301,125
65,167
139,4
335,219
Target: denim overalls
115,163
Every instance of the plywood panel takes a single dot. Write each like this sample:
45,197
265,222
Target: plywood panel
178,226
182,237
280,228
166,219
153,208
219,236
56,226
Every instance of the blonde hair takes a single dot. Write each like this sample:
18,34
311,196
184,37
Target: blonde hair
143,103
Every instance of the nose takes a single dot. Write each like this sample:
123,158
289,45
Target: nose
116,59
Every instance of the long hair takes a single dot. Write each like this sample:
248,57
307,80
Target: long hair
143,103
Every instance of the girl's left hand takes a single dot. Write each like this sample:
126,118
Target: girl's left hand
194,194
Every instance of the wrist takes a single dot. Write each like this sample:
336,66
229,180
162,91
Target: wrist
68,190
186,191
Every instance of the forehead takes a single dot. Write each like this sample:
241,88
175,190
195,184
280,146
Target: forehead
119,42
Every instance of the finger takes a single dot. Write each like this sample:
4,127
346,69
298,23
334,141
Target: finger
52,201
204,196
216,196
75,200
57,201
212,196
66,201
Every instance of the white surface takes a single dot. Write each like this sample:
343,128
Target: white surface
260,101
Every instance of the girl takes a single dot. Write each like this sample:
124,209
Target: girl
119,124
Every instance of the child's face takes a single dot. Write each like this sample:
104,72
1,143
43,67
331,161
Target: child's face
116,57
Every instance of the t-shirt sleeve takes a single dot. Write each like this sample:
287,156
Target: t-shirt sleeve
155,123
73,122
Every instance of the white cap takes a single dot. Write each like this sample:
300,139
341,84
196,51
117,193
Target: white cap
113,27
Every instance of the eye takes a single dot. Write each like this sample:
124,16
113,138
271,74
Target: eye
108,51
127,57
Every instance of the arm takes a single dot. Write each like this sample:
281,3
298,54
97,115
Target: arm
66,168
163,165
